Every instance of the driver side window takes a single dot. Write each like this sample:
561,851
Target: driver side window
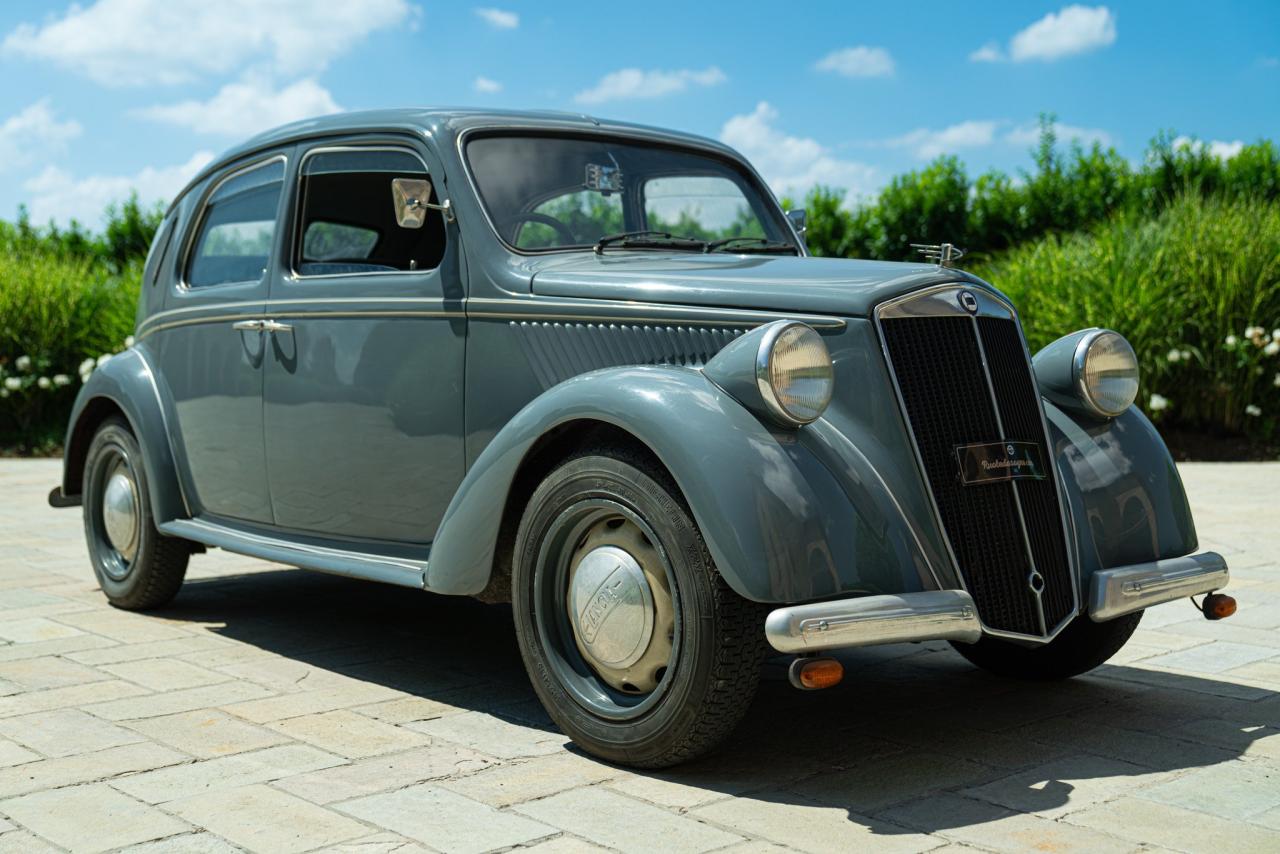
572,219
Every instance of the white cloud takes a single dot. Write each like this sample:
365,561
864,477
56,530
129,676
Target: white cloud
245,107
499,18
792,164
33,134
486,86
927,144
1029,134
139,42
989,52
58,195
1074,29
860,61
630,83
1218,148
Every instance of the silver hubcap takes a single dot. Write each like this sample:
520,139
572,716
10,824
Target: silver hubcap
120,512
620,607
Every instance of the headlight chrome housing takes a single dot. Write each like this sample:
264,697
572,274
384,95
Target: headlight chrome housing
1105,372
794,373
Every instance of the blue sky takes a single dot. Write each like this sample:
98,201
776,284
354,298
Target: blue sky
112,94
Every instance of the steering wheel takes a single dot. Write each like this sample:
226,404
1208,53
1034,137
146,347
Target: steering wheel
567,237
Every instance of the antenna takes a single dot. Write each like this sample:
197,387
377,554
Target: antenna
942,254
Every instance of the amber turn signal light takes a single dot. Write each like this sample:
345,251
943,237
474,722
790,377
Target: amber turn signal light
812,674
1218,606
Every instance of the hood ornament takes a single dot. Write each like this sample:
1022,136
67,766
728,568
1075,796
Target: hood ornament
942,254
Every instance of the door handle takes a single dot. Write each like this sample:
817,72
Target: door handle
248,325
275,326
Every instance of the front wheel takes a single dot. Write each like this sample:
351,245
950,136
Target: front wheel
634,643
137,566
1080,647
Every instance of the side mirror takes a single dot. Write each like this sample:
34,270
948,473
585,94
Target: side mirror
798,219
411,197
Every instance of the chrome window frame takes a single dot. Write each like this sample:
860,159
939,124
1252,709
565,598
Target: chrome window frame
202,208
295,237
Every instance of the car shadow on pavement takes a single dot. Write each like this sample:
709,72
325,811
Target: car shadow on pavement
913,740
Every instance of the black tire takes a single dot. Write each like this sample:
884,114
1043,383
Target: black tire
718,643
1080,647
153,572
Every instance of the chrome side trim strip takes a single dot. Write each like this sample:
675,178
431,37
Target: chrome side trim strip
870,620
617,311
399,571
1123,590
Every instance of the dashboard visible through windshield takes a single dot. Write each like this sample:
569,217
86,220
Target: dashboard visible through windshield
546,192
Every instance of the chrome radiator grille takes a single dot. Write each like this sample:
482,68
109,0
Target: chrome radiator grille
963,379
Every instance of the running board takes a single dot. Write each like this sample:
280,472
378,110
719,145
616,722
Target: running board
390,570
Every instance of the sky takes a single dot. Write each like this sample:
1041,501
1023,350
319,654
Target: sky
107,96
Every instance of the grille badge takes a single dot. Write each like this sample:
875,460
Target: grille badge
968,301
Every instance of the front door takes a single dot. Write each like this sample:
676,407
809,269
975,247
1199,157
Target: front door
210,355
363,393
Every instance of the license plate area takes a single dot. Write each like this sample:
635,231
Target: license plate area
996,462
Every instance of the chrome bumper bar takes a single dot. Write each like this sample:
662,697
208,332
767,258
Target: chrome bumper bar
1116,592
869,620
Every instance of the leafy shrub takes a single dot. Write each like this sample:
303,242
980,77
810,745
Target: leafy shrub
1196,290
1066,191
67,298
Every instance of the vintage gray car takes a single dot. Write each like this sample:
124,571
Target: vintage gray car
589,368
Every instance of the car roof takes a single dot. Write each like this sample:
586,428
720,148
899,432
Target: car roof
447,122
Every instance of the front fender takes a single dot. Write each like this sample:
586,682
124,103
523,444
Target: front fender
1126,500
778,524
126,383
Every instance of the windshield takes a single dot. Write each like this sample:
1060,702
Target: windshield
554,192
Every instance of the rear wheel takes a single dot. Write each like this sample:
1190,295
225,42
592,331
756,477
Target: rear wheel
137,567
1080,647
636,646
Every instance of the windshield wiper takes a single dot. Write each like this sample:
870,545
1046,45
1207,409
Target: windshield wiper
750,244
649,240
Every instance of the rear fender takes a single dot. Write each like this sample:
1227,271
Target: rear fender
126,385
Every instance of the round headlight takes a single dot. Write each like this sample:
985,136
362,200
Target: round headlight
1106,373
794,373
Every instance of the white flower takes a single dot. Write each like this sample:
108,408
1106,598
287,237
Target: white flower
86,367
44,382
22,363
1231,340
128,342
103,359
1272,348
12,383
1255,411
1253,331
61,379
1158,402
1276,381
1275,334
1186,355
1174,355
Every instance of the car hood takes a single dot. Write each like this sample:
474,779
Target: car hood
834,286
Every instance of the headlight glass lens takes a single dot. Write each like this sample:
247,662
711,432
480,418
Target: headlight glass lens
1109,375
799,376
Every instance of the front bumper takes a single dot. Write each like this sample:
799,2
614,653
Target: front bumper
951,614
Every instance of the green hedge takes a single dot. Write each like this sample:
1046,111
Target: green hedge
1196,290
1066,191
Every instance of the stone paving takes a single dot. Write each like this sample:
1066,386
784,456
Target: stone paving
270,709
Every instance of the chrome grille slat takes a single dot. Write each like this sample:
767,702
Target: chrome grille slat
965,378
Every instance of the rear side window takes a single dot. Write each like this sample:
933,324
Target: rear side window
348,222
233,243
